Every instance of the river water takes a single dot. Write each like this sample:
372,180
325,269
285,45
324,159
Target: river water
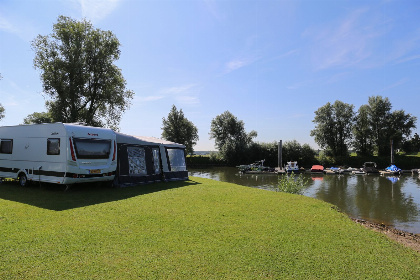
389,200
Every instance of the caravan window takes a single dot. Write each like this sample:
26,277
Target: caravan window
53,146
177,159
6,146
92,148
136,161
156,160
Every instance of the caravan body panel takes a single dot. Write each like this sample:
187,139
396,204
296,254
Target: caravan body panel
57,153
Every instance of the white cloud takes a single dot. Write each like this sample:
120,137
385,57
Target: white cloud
236,64
179,89
150,98
18,26
407,48
187,100
287,54
396,84
407,59
345,43
95,10
6,25
184,95
213,9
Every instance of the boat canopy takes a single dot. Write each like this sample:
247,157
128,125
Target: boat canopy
317,167
392,168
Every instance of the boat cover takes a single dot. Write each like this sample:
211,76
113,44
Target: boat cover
392,168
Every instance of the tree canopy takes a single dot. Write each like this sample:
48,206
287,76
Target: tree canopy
230,137
369,131
383,125
79,75
333,127
362,132
177,128
38,118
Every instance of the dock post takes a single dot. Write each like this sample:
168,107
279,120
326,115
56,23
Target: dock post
280,155
392,152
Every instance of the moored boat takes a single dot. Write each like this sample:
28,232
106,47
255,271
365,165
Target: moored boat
391,170
255,167
292,166
317,169
359,172
370,167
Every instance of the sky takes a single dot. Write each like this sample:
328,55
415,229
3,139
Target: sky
272,64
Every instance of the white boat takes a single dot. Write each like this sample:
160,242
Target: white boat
359,172
292,166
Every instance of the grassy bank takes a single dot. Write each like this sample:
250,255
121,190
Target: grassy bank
199,229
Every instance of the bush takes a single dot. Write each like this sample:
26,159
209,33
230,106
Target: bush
292,183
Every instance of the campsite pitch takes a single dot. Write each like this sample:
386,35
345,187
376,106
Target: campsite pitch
196,229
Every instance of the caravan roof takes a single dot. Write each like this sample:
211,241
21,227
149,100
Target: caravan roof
144,140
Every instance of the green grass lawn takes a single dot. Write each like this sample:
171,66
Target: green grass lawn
198,229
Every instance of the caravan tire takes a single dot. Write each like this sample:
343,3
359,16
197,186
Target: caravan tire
23,181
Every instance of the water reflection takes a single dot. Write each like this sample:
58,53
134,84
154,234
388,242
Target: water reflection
389,200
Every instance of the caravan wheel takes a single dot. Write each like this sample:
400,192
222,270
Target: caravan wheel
23,181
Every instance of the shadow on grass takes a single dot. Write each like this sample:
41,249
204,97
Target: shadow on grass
53,197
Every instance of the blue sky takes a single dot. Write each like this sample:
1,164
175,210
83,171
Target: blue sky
270,63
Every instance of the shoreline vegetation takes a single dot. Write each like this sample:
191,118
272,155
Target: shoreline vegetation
405,162
198,228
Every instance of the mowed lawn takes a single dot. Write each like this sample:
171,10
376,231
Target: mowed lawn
198,229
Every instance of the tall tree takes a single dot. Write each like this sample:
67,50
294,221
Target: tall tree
362,132
379,120
79,75
230,137
333,128
177,128
387,125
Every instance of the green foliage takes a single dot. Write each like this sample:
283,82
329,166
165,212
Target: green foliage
292,183
37,118
334,123
262,151
1,111
369,132
294,151
230,137
177,128
291,150
79,75
412,145
362,131
376,125
198,229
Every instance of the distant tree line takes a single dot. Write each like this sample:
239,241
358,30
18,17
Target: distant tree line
369,131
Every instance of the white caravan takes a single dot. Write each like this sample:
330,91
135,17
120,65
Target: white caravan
57,153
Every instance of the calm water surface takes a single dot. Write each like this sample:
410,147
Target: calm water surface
389,200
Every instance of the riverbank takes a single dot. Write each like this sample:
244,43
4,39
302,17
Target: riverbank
200,229
405,238
389,200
